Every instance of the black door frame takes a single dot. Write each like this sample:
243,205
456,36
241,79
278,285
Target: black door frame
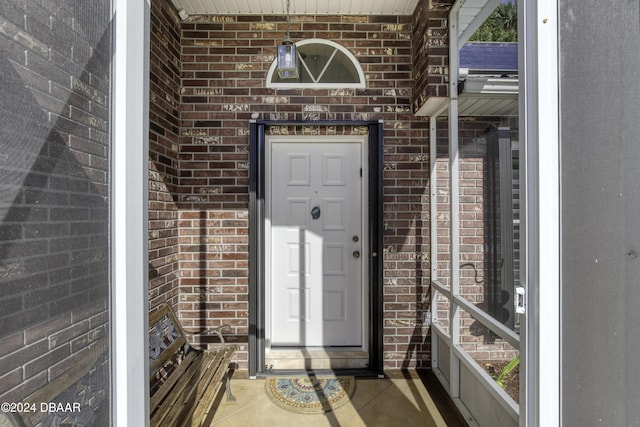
257,297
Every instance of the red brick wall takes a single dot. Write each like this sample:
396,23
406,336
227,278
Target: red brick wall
430,50
225,60
164,125
55,64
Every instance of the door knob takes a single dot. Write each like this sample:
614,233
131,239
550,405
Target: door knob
315,212
356,254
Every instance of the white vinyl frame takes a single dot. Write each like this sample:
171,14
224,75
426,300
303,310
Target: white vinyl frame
365,226
129,189
540,132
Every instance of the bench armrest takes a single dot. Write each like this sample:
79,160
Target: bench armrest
209,332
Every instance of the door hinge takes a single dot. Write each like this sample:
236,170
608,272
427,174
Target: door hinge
360,172
519,300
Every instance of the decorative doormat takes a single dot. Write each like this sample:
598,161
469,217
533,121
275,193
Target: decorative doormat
310,395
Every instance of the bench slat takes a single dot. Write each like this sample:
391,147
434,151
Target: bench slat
202,411
173,378
183,413
191,394
176,393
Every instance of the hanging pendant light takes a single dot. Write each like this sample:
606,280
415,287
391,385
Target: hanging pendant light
287,56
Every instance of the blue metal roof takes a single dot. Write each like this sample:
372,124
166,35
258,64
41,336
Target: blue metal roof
489,56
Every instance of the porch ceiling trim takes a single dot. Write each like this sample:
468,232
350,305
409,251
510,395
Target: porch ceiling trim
472,12
298,7
487,97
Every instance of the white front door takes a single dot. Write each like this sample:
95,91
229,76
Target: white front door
315,200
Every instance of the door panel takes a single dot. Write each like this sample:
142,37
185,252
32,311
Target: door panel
315,211
299,209
298,170
334,214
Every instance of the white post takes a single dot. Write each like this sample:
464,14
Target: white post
433,204
129,303
539,129
454,217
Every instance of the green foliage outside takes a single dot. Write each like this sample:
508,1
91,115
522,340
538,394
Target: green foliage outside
507,370
501,26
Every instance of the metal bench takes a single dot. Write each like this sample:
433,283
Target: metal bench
184,381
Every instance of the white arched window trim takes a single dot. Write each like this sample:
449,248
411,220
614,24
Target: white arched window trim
294,84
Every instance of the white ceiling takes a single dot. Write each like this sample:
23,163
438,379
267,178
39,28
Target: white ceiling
297,7
471,12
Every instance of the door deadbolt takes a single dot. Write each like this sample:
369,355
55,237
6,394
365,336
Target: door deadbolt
356,254
355,239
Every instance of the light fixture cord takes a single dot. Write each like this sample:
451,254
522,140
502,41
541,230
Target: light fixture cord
288,20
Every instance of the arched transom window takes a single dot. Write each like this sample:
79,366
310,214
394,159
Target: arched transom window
322,64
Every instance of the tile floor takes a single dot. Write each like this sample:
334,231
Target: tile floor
403,399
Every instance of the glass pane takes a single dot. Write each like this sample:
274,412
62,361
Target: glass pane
322,63
489,216
340,70
54,210
316,56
